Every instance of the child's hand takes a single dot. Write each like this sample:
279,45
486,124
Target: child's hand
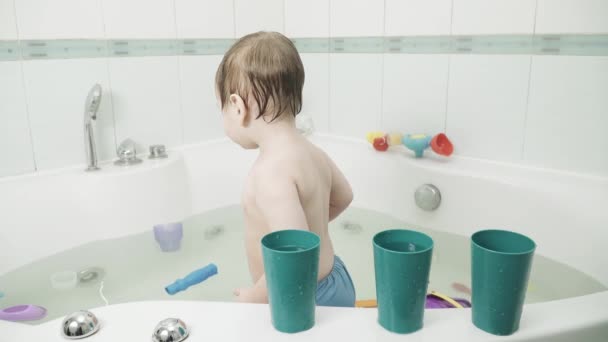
243,295
248,295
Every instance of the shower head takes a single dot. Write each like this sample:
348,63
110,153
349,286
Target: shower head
93,100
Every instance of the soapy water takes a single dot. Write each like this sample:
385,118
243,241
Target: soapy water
146,271
213,231
289,248
402,247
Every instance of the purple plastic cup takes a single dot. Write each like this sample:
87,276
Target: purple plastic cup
169,236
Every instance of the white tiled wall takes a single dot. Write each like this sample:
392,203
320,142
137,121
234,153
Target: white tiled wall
139,18
201,111
482,101
316,90
204,18
307,18
418,17
493,17
487,105
15,143
56,104
568,113
258,15
414,93
8,25
57,19
145,94
572,16
355,93
350,18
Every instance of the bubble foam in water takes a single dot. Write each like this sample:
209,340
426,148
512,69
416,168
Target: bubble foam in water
411,247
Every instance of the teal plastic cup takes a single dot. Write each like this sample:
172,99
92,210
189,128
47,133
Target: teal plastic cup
291,264
402,260
501,262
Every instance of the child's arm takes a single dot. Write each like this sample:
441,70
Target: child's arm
341,193
277,198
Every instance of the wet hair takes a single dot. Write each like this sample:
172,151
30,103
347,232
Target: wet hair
267,67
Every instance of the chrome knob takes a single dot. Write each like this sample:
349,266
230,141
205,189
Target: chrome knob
80,324
170,330
127,153
157,152
427,197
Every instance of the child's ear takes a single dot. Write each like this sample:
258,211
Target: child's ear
241,109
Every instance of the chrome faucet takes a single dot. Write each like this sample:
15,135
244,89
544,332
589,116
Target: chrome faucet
90,113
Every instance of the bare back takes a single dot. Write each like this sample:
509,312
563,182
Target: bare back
299,162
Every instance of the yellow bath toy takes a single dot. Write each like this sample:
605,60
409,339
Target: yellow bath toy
370,136
395,139
447,299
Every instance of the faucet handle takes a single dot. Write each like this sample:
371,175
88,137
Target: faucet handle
127,153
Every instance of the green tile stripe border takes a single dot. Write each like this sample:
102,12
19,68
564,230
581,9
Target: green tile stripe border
574,45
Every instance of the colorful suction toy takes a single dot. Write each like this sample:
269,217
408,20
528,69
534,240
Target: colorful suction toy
442,145
417,143
439,143
381,144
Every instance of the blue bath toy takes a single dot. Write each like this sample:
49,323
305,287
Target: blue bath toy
417,143
193,278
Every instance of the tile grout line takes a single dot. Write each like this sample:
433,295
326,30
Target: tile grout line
527,111
107,58
329,78
380,120
328,66
179,79
447,84
447,96
24,89
327,70
234,19
284,17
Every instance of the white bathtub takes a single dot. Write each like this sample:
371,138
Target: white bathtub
564,213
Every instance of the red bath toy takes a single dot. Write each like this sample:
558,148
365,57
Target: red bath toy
442,145
381,144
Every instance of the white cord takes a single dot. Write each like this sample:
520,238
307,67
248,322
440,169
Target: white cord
101,294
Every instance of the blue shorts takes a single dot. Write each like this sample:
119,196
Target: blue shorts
337,288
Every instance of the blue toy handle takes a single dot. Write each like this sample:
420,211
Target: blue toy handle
417,143
193,278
